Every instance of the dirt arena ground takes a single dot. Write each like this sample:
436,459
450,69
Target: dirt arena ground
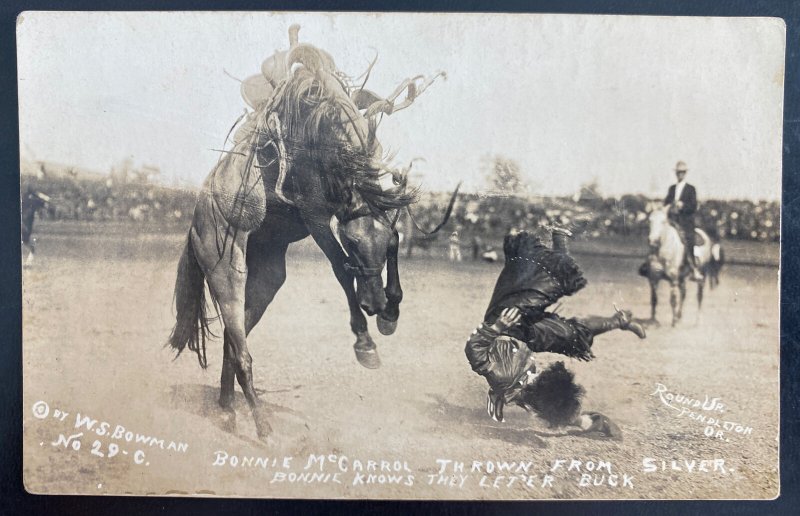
97,311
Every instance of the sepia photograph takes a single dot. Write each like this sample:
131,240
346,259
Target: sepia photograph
399,256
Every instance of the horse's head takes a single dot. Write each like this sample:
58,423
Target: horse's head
657,220
368,241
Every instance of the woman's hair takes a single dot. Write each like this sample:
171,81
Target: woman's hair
554,396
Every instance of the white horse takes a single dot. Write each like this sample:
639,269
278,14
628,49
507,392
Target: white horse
666,263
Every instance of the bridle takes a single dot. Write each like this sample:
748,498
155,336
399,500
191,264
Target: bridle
352,263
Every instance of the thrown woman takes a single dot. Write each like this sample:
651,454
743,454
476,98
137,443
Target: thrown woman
517,324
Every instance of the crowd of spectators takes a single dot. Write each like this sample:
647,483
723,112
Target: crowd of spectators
485,217
105,198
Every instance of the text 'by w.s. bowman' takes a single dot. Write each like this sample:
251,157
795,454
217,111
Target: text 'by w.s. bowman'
102,439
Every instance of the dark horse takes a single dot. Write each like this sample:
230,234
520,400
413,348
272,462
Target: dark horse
31,202
306,163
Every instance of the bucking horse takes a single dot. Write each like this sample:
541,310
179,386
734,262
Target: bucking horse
306,162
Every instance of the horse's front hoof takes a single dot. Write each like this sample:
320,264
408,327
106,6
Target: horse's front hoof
368,357
385,326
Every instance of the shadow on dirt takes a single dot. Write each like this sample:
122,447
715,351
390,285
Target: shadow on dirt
202,401
474,422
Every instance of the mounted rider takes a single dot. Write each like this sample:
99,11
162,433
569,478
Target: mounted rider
517,324
681,201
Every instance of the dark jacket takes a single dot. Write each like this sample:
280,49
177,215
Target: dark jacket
685,216
534,276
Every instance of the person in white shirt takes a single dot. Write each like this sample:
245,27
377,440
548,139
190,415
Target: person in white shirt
455,247
682,202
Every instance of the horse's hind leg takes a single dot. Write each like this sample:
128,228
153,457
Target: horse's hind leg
682,298
265,277
673,302
227,278
713,278
700,286
266,273
227,378
653,300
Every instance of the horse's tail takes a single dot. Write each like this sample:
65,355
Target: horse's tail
192,326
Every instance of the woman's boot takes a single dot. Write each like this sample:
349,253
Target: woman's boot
622,320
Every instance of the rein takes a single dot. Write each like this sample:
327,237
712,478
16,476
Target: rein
444,219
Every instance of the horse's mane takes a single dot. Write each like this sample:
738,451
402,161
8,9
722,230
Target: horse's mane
310,103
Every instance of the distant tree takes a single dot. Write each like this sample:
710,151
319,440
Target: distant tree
122,172
504,176
590,190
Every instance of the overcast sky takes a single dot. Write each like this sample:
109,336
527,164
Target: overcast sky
570,98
